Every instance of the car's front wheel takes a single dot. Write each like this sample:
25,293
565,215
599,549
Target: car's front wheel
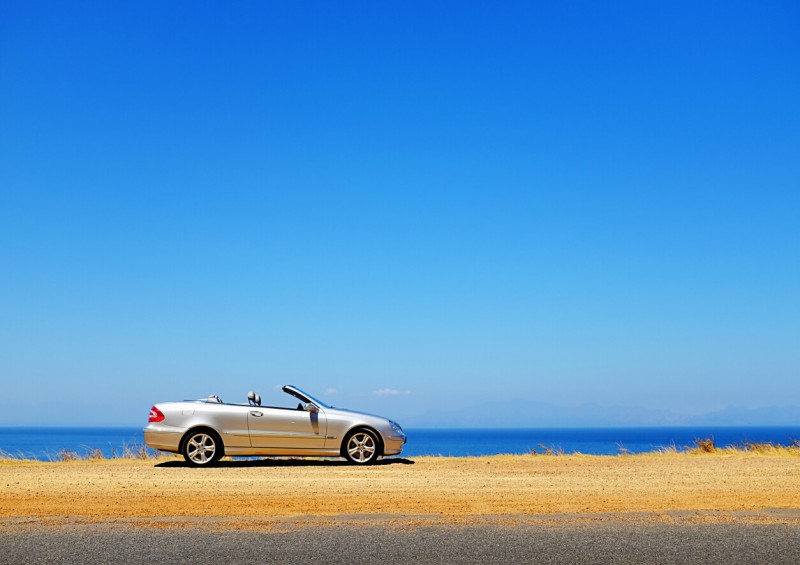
202,448
361,447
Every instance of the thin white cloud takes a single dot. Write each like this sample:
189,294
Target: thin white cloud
330,391
390,392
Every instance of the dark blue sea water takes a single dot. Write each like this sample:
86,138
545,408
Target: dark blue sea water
45,443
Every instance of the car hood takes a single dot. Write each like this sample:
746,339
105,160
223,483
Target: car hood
357,412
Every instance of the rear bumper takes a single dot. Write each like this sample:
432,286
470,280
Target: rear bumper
163,438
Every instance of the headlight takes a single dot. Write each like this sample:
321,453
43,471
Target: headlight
396,427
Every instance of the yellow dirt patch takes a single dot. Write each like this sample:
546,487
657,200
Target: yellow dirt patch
449,488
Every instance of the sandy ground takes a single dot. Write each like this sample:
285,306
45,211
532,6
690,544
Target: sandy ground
706,487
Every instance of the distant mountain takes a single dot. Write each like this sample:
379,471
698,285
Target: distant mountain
740,416
528,414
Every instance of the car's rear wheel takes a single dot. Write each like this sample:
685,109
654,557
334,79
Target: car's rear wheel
202,448
361,447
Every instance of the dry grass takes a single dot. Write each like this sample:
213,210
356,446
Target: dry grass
671,449
707,446
87,453
550,450
770,449
702,446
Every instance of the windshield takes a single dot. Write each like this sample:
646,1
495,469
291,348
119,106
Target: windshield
303,396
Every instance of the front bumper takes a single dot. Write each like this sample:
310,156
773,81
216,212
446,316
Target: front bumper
393,445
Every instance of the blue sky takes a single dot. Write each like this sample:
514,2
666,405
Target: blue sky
399,207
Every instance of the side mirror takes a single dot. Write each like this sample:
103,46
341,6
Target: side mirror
312,408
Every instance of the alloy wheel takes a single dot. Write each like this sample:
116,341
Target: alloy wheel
361,447
200,449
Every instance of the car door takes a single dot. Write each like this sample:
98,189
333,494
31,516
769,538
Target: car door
286,428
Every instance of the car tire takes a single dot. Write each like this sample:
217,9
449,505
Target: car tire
202,448
361,447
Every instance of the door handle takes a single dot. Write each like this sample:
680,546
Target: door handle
256,414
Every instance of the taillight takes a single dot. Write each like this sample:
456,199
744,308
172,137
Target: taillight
156,415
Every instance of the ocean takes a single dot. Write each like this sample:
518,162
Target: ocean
46,443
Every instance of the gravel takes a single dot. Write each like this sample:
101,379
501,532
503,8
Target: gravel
568,542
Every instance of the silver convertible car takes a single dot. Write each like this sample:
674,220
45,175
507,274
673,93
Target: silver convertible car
204,430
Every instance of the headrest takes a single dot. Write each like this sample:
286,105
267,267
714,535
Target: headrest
258,400
253,398
251,395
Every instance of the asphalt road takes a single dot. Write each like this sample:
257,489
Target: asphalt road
568,542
